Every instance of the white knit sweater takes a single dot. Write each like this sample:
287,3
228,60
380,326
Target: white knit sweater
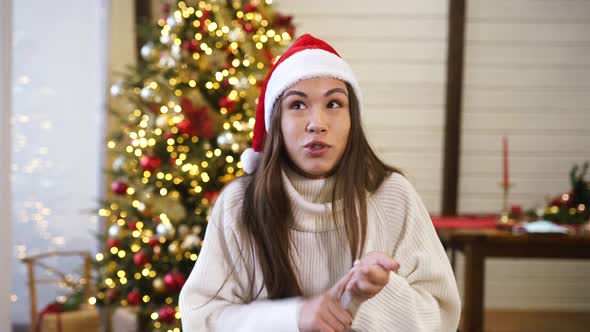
421,296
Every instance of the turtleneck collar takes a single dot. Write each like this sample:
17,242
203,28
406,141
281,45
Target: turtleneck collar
311,201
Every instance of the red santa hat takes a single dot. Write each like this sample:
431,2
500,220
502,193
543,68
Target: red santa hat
308,57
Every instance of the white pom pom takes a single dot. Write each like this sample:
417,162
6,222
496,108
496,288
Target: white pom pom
250,160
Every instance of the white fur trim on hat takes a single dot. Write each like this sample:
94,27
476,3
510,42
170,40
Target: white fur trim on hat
250,160
305,64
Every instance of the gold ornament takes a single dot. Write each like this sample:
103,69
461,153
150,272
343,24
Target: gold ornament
182,231
159,285
173,248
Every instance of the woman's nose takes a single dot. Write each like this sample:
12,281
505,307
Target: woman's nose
317,123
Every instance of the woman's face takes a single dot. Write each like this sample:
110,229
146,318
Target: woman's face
315,122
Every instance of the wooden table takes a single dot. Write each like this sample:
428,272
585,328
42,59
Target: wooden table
479,244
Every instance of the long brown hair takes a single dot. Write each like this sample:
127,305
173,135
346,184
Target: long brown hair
266,212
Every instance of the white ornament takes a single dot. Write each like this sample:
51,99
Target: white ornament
165,39
235,35
116,89
162,121
191,241
165,230
243,84
149,51
114,231
176,51
225,140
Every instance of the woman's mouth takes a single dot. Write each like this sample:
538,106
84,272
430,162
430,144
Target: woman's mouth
316,148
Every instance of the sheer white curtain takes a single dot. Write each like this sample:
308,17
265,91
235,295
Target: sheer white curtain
59,70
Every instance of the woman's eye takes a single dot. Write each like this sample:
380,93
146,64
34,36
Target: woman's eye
297,105
333,104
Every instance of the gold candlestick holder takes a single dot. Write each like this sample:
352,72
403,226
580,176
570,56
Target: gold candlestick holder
505,215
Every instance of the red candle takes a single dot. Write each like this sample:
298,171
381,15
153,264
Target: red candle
506,180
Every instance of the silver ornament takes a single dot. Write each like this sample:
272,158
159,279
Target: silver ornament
175,21
114,231
225,140
119,163
165,230
116,89
149,52
148,94
167,61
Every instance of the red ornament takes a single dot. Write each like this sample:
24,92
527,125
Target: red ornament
211,195
172,161
153,241
132,225
168,135
227,103
154,108
270,58
150,162
166,315
119,187
197,121
283,20
165,8
141,258
112,243
204,26
191,45
248,27
174,281
134,297
249,7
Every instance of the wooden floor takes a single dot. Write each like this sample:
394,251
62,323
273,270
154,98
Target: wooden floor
536,321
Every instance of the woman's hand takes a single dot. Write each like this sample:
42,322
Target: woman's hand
369,275
324,313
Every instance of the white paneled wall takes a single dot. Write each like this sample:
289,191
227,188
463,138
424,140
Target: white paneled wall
398,51
527,75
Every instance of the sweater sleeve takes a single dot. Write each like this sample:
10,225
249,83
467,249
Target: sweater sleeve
216,294
423,294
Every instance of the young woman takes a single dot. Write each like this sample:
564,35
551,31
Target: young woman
322,235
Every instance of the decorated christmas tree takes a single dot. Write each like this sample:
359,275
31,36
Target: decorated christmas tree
186,113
